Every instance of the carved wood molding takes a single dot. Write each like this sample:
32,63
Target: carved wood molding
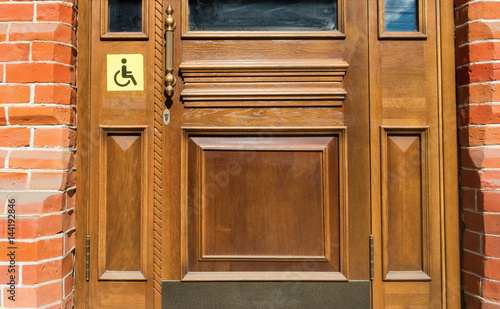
263,83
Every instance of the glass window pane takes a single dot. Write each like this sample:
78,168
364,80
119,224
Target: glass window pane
400,15
262,15
125,15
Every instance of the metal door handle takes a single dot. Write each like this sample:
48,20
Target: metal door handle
170,25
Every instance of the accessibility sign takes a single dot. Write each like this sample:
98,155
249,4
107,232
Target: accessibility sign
125,72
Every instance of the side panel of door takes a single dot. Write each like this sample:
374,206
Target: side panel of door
407,154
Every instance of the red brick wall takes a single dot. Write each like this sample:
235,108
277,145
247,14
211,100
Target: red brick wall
478,82
37,145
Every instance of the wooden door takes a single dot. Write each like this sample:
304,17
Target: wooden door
266,160
258,177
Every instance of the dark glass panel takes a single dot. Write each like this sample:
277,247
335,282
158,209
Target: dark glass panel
400,15
125,15
262,15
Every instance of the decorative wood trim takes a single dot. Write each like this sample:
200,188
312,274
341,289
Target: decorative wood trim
263,83
420,34
422,132
450,246
83,155
107,35
159,99
101,260
264,276
339,33
265,131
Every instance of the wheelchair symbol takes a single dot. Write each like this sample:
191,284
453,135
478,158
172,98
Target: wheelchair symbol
125,75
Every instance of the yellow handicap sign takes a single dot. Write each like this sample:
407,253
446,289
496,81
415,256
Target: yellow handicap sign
125,72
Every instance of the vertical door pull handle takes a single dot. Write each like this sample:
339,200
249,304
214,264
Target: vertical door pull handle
170,25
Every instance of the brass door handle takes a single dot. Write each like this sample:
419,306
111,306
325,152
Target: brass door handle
170,25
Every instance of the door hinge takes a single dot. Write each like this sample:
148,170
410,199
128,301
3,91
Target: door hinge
87,259
371,258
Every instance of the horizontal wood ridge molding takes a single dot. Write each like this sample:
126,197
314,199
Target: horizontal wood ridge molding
263,83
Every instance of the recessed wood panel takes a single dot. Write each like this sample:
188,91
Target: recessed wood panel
122,213
405,204
263,202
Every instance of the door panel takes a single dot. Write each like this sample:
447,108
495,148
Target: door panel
261,200
265,170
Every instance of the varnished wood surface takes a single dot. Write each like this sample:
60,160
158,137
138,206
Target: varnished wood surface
406,100
404,89
243,194
82,223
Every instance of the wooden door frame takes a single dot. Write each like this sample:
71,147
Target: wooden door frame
83,159
448,174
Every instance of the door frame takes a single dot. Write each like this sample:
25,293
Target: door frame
448,174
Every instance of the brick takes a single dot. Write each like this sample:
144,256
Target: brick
472,241
55,12
483,10
48,51
474,263
492,269
480,158
470,179
491,246
490,178
43,32
475,73
26,251
488,201
39,72
469,199
69,241
16,11
67,264
33,159
3,119
14,137
472,302
34,203
54,137
3,32
68,285
478,136
13,181
14,52
68,220
50,248
471,283
477,52
1,71
71,199
41,115
25,298
480,114
49,293
474,221
483,30
15,94
3,156
492,223
59,94
24,228
52,181
43,272
5,274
